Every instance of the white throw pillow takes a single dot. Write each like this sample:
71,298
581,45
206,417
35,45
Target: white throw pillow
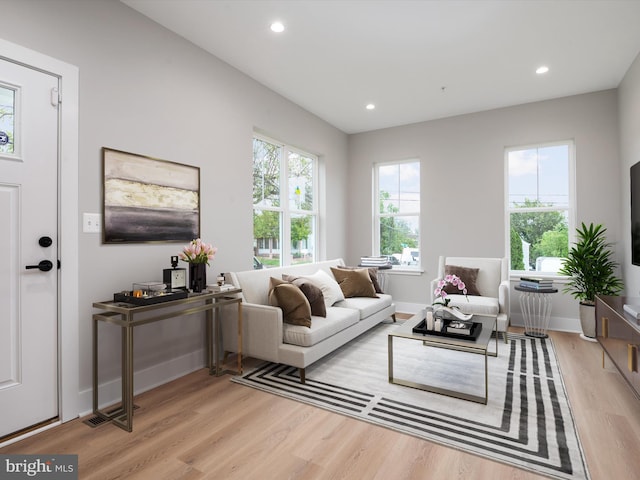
330,289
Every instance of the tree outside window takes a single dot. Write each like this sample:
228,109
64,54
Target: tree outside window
540,204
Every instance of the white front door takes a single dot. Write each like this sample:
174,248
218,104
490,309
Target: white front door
28,240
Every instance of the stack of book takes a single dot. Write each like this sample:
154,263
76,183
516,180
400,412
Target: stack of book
380,262
536,283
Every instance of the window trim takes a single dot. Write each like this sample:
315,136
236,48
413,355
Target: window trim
570,209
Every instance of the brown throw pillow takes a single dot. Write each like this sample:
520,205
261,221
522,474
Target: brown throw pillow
295,306
467,275
373,275
311,291
354,283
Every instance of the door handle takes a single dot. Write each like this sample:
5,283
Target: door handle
44,265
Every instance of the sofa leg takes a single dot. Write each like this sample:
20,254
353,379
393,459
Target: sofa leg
302,377
393,316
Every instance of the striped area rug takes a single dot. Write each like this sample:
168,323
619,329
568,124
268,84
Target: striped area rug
527,421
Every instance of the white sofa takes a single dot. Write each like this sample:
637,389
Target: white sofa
267,337
492,283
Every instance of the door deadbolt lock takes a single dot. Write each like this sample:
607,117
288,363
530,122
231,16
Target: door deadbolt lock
45,241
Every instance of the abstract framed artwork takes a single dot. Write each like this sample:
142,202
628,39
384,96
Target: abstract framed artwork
149,200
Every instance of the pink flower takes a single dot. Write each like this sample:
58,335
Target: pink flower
440,292
198,252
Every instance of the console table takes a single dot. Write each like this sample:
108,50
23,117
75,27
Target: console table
535,304
619,335
128,316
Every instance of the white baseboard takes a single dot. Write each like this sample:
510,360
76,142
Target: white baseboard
143,380
560,324
412,308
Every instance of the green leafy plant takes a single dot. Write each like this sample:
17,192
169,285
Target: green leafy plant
590,266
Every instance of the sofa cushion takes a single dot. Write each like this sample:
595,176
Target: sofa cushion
337,320
311,291
468,275
367,306
354,283
475,305
330,288
373,275
295,306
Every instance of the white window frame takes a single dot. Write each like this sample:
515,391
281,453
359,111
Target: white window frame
285,227
570,209
377,216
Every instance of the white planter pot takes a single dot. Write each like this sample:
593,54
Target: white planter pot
588,321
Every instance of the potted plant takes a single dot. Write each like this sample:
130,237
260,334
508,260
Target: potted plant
592,272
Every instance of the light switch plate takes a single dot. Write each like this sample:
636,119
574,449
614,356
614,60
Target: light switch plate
91,222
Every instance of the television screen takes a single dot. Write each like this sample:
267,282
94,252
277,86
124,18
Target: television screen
635,214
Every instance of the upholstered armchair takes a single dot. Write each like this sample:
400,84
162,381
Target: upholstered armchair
487,281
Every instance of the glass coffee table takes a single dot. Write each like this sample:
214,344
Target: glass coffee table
478,346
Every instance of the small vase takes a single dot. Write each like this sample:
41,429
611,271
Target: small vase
197,277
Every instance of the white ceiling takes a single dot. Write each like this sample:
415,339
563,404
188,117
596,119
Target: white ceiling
415,60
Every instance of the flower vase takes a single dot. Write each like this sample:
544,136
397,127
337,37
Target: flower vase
197,277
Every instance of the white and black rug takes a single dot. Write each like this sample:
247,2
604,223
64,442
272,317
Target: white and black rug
527,421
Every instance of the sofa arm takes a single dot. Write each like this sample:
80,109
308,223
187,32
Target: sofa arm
503,298
261,331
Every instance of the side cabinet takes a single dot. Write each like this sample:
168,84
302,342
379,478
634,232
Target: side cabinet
619,334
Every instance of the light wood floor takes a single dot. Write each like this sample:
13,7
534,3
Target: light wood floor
201,427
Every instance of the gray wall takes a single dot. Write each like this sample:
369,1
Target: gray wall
629,106
463,185
145,90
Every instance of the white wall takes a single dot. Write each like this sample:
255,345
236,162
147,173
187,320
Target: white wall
462,162
145,90
629,107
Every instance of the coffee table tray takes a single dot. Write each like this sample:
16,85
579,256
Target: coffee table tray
421,328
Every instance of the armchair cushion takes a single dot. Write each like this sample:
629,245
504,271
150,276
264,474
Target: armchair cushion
477,306
468,275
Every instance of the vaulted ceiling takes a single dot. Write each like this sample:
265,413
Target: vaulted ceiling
414,60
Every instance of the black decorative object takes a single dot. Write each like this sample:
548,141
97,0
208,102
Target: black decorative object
197,277
127,297
175,277
421,328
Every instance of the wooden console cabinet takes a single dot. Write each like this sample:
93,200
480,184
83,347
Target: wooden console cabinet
619,334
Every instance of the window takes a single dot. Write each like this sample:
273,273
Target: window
284,205
540,206
8,105
397,213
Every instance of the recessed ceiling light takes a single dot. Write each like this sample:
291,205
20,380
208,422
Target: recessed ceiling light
277,27
370,106
542,70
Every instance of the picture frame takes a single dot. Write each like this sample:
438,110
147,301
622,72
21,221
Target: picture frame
148,200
